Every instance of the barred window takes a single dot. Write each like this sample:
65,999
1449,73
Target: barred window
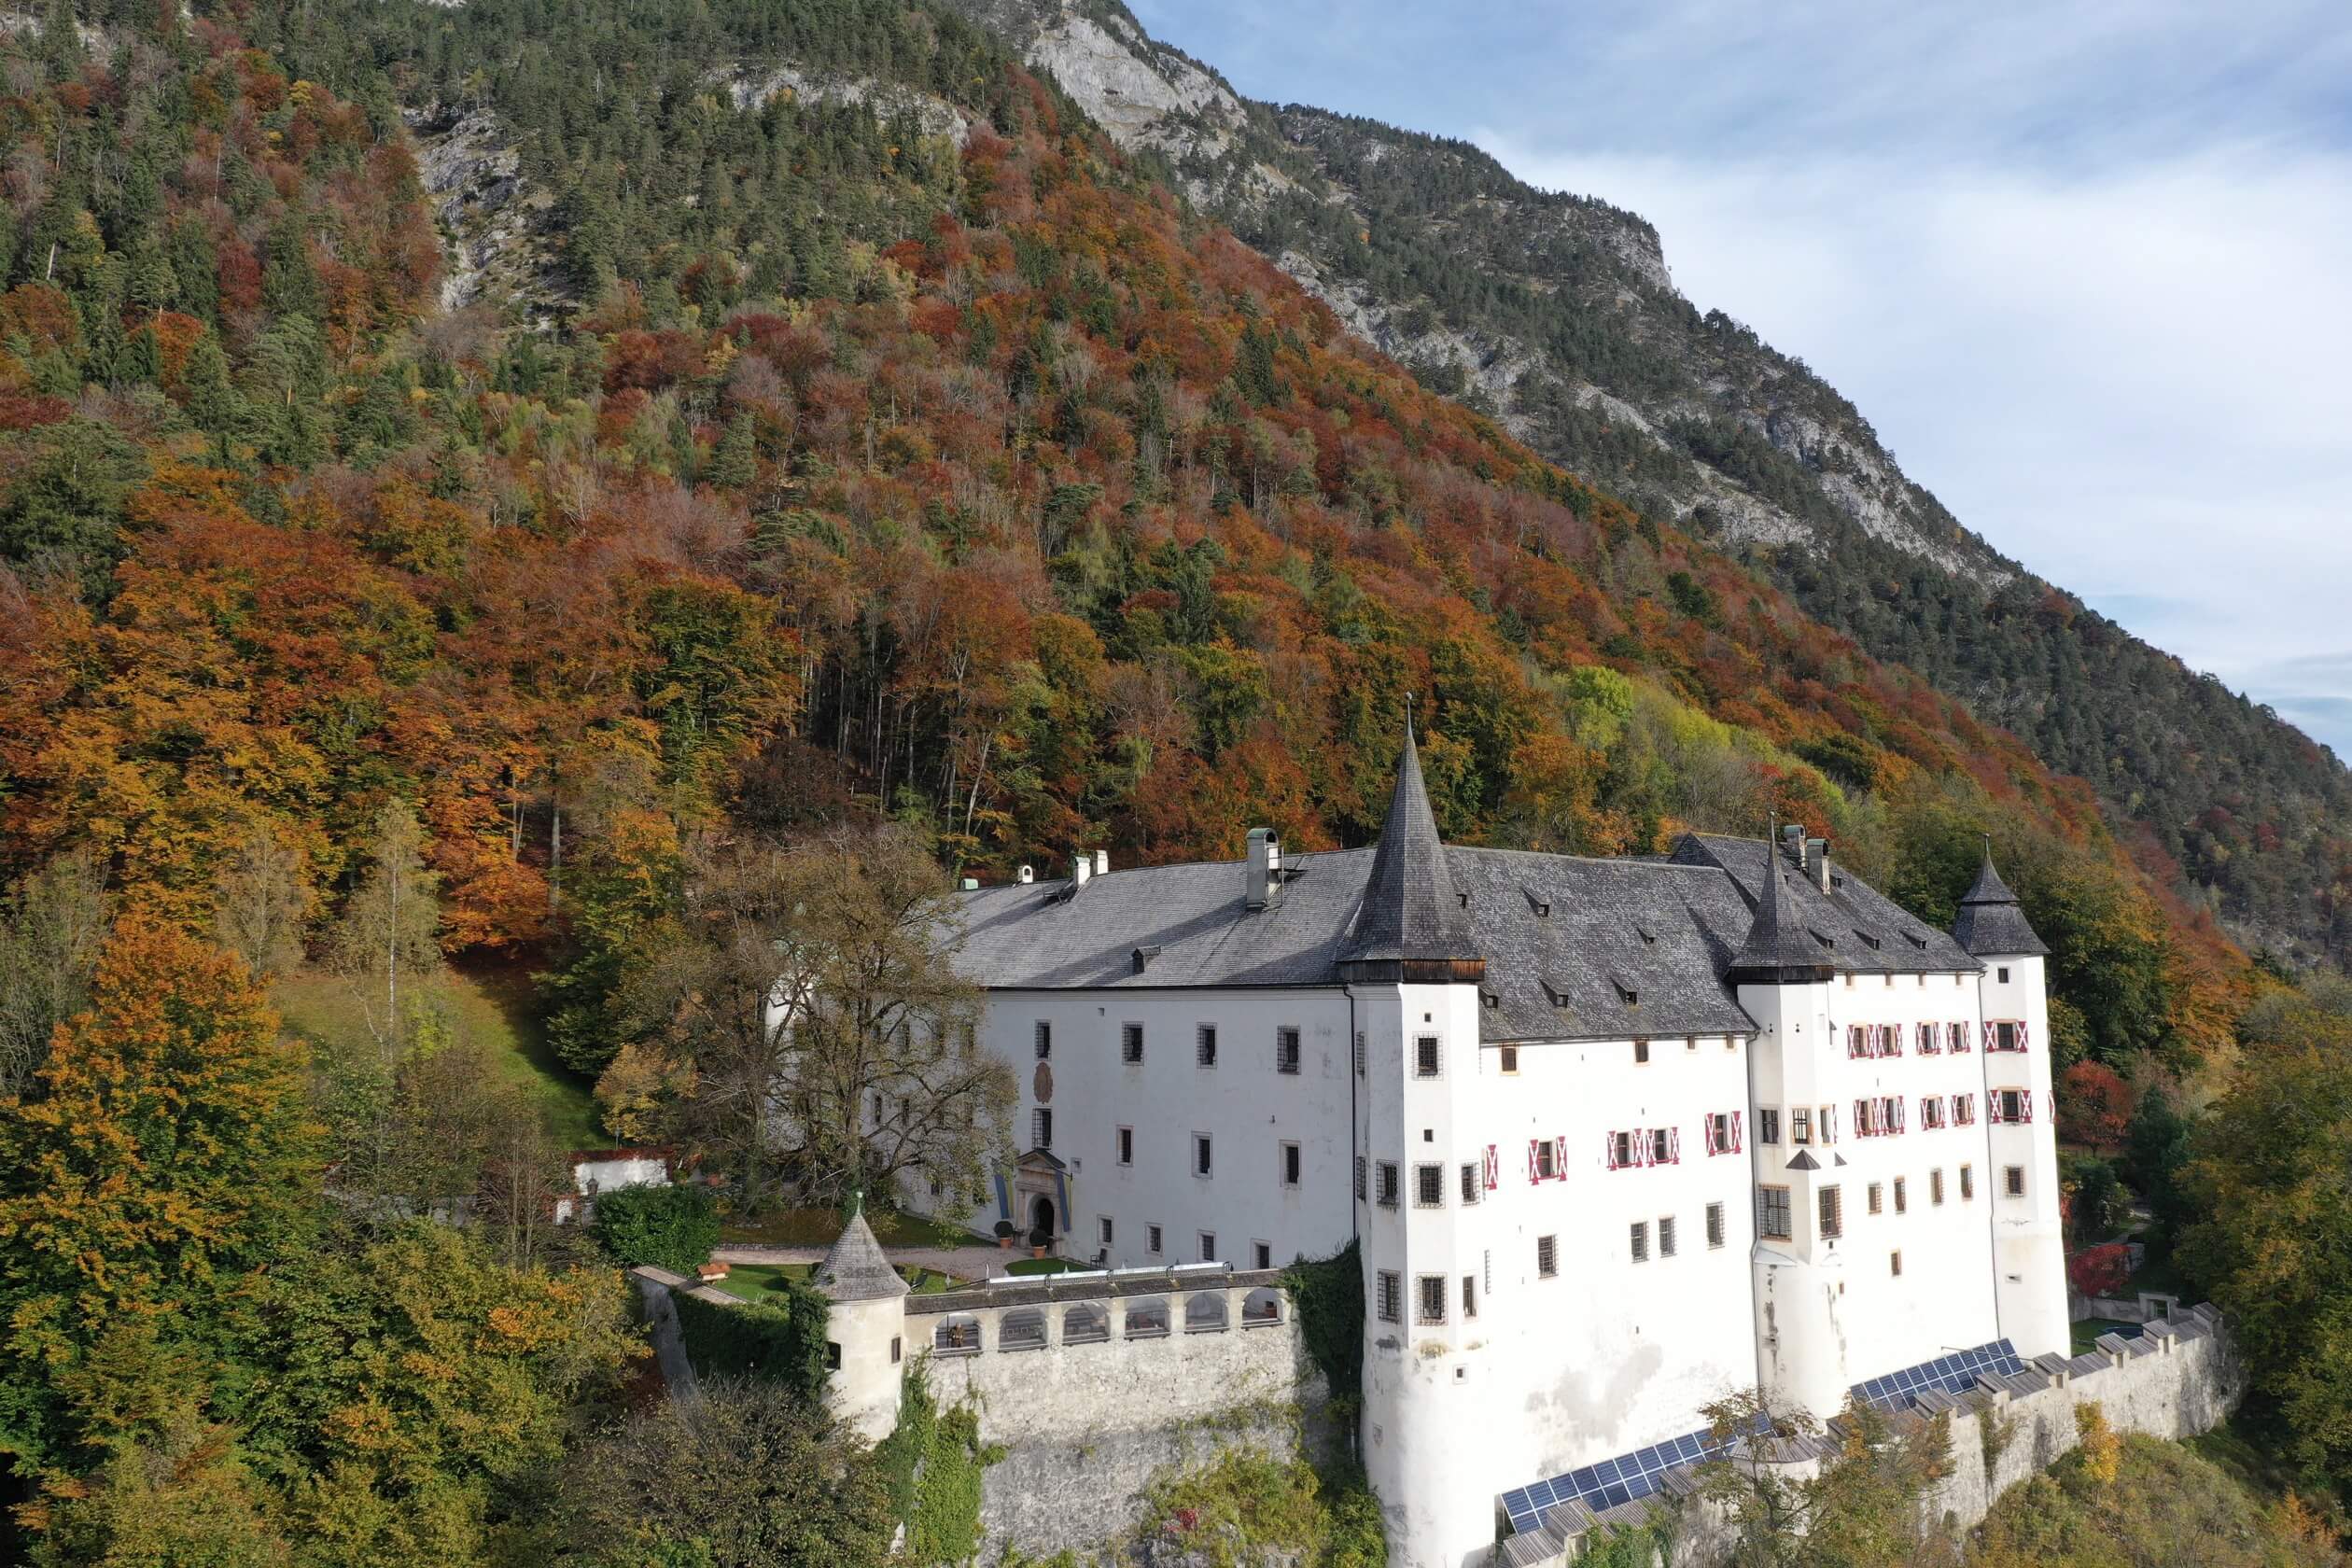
1666,1236
1470,1182
2015,1178
1714,1224
1387,1294
1388,1184
1428,1187
1204,1155
1205,1045
1042,1128
1433,1298
1289,1164
1640,1229
1359,1173
1832,1205
1286,1051
1045,1040
1967,1183
1547,1257
1771,1213
1131,1043
1426,1056
1768,1126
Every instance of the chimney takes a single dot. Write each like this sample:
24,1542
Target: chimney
1793,840
1029,875
1081,867
1263,873
1102,863
1821,860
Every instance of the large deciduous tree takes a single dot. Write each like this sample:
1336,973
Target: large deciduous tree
813,992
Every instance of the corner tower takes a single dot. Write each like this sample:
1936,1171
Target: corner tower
865,1332
2029,1258
1782,979
1411,967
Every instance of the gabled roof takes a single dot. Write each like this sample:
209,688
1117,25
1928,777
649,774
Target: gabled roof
857,1269
1411,909
1853,927
1989,923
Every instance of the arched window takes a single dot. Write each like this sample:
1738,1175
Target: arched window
1260,1307
1023,1330
1204,1313
1087,1324
1147,1317
958,1334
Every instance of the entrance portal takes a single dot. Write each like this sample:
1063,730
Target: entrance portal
1042,1216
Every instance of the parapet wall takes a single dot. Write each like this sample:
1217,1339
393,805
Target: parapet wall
1097,1383
2180,1377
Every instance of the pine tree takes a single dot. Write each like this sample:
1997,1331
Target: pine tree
735,463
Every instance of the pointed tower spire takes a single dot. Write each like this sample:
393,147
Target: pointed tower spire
857,1268
1411,925
1774,955
1990,921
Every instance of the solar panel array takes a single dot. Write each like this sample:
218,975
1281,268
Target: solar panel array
1955,1373
1612,1481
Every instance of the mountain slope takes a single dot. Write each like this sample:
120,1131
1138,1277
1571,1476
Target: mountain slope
1556,314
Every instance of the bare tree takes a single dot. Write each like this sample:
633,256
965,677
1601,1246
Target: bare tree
51,931
259,903
830,1040
391,923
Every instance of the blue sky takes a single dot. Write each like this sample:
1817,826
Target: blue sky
2087,268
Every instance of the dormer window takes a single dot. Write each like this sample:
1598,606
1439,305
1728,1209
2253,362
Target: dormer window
1868,940
1648,937
1823,937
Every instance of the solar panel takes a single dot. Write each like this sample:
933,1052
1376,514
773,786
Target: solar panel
1954,1372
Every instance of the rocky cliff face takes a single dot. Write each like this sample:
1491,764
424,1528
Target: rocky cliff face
1557,315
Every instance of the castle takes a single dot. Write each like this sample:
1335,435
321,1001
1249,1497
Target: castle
1615,1137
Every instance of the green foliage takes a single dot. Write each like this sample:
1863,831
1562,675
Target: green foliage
1245,1506
672,1227
2159,1501
932,1463
779,1339
1328,1297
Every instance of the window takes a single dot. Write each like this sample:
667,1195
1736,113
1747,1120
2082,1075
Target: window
1386,1296
898,1348
1426,1056
1045,1040
1204,1155
1832,1207
1042,1128
1286,1051
1665,1146
1470,1182
1871,1199
1432,1305
1510,1059
2013,1178
1935,1188
2011,1105
1547,1159
1857,1040
1964,1110
1714,1224
1102,1231
1262,1253
1666,1236
1428,1187
1771,1213
1359,1053
1640,1229
1641,1050
1928,1045
1547,1257
1469,1295
1768,1126
2008,1036
1205,1045
1895,1263
1152,1240
1289,1164
1902,1196
1723,1133
1931,1110
1131,1043
832,1355
1967,1183
1127,1145
1388,1184
2003,972
1208,1246
1800,1125
1620,1149
1828,1124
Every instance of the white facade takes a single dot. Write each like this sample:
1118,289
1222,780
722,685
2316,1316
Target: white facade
1562,1237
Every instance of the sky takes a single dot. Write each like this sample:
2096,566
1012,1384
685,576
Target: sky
2086,267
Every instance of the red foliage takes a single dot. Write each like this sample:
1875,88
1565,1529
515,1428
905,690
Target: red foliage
2104,1270
2095,1106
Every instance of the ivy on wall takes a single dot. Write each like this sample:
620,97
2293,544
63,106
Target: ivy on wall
782,1341
1328,1297
932,1462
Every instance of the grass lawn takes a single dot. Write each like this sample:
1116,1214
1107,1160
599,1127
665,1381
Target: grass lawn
487,1003
1047,1265
2250,1462
754,1282
817,1227
2087,1332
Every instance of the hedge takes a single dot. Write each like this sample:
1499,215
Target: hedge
780,1340
667,1227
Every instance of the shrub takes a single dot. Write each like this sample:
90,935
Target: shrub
778,1341
666,1227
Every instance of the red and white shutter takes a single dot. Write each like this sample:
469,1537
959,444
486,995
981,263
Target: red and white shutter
2026,1104
1735,1132
1989,1035
1531,1174
1559,1159
2020,1034
1494,1168
1674,1145
1608,1150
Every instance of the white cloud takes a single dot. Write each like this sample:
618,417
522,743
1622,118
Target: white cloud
2134,379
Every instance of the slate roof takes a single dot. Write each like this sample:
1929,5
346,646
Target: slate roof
856,1269
1775,951
1410,908
1989,923
1574,948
